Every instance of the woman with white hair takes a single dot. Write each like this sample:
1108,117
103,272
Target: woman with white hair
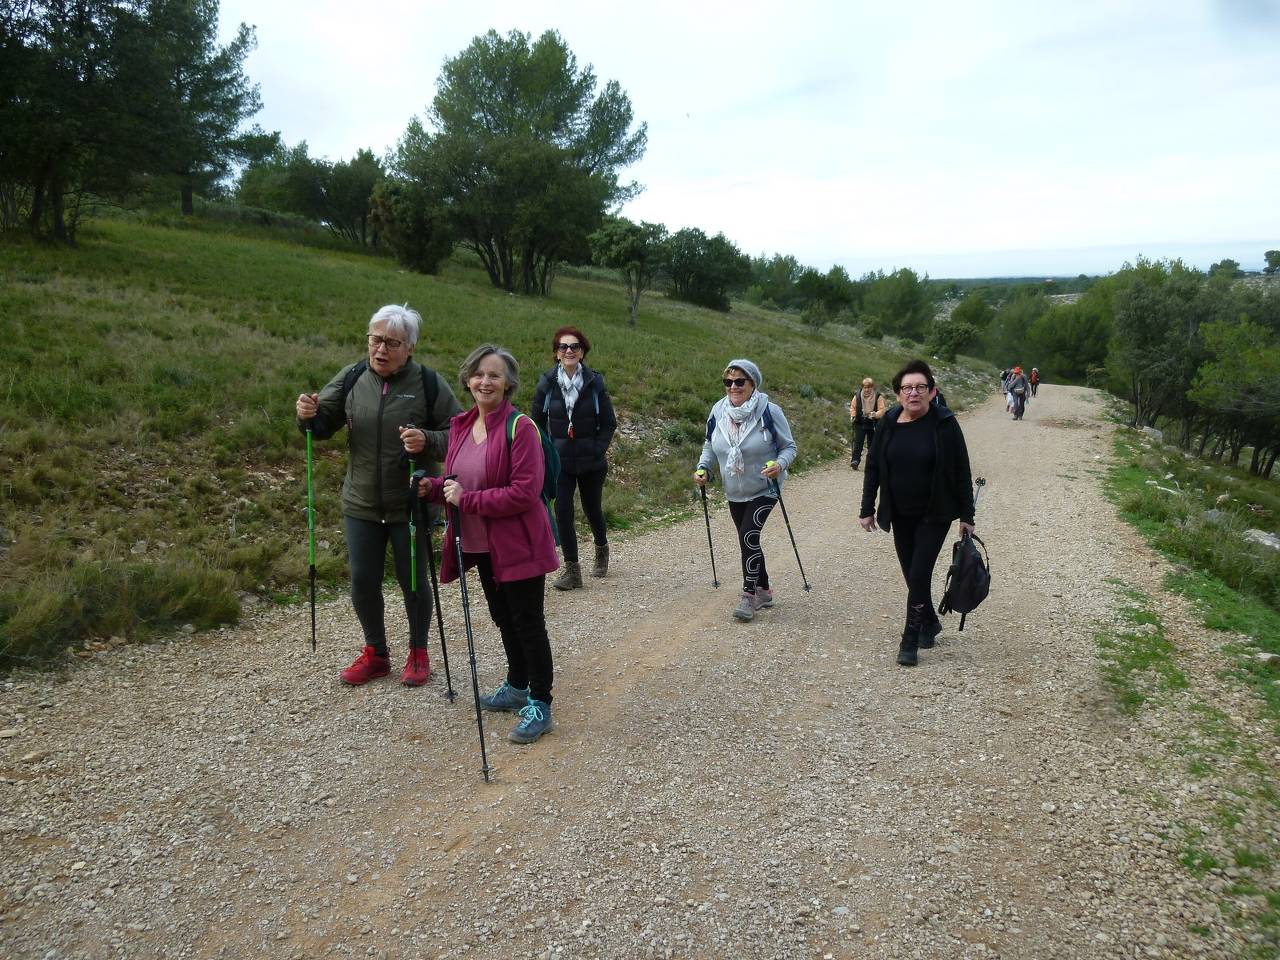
749,439
395,411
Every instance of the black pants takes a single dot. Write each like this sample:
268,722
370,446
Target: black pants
862,433
1019,405
749,518
517,611
918,544
591,487
1034,388
367,555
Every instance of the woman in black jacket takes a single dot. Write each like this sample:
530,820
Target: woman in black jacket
919,469
573,406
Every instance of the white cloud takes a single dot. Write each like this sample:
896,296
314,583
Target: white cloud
843,130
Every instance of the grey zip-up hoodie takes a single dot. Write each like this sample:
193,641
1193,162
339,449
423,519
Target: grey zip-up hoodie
759,447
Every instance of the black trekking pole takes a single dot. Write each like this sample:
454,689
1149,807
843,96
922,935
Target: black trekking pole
471,642
777,488
424,519
978,484
311,536
706,515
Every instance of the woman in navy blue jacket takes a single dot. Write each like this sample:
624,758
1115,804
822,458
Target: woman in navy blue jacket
572,404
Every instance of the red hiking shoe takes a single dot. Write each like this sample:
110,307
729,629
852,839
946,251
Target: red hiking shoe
368,666
417,669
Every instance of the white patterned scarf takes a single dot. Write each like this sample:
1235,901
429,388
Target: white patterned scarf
570,387
735,423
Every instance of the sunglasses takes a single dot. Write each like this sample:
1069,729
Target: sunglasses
568,347
736,381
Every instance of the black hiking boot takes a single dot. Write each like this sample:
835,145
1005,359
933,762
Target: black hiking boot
929,634
907,649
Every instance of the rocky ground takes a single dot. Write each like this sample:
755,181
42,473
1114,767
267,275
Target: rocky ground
714,789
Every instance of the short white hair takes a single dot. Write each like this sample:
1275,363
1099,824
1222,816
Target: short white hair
401,321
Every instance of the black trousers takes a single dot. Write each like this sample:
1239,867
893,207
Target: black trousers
918,544
517,611
367,556
862,433
591,488
749,518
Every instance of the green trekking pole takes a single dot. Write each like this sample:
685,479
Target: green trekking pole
311,535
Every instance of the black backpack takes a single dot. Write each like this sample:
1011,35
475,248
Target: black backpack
968,579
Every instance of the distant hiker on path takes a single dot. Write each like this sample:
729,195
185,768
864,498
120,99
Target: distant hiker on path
918,467
496,463
394,410
572,406
1019,393
1035,380
865,410
749,439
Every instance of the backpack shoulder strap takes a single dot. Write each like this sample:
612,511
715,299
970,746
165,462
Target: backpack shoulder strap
430,389
767,420
349,381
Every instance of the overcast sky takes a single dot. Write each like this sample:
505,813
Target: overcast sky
961,139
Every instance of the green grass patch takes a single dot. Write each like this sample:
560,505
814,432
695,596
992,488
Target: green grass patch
1138,663
148,381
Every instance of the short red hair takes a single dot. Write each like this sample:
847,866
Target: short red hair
573,332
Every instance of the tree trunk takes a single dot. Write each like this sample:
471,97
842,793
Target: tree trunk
635,307
36,218
1271,462
188,204
1255,462
59,214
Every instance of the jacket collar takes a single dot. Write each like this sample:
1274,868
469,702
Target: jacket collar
944,413
493,421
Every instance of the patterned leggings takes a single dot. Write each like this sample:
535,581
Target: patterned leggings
749,518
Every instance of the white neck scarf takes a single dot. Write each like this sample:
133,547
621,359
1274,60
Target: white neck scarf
570,387
734,423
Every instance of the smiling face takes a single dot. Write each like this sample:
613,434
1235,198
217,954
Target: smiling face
569,352
915,395
388,352
738,393
488,385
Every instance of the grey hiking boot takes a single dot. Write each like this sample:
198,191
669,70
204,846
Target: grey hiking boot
764,598
506,698
535,720
602,560
570,578
746,608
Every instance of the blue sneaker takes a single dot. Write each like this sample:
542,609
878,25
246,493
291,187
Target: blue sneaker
535,720
506,698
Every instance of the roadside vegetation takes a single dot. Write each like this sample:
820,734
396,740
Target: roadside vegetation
1224,724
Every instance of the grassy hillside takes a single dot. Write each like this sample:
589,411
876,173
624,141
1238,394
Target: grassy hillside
150,469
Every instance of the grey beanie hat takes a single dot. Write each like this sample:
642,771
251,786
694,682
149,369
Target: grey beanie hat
750,369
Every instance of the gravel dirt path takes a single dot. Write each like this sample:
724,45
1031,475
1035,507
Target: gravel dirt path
714,789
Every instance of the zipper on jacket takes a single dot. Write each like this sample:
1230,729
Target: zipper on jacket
377,476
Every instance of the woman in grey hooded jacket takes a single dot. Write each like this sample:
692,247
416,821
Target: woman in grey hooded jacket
749,439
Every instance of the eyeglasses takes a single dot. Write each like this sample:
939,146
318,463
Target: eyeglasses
914,388
736,381
376,341
568,347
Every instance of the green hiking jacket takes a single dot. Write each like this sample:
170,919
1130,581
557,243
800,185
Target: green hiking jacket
376,486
